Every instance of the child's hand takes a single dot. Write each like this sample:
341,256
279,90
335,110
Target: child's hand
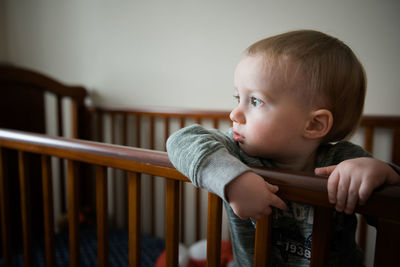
353,181
251,197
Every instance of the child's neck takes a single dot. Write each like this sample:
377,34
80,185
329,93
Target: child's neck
305,163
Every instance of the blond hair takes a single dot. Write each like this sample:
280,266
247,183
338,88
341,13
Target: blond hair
334,77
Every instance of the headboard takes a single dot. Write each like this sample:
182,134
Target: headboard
23,94
27,113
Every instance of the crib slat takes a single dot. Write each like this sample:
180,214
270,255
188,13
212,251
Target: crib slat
183,216
5,211
114,173
369,137
172,228
60,132
73,213
124,130
63,203
134,219
99,126
320,237
112,121
48,212
25,208
215,123
74,119
102,218
396,146
214,225
262,242
182,211
152,131
166,131
197,211
59,115
362,233
152,179
138,128
125,174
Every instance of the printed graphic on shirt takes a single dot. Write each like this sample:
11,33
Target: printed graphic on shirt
292,235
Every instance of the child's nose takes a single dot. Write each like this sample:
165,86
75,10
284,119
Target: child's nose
237,115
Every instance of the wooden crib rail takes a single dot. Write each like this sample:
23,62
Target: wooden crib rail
32,83
293,186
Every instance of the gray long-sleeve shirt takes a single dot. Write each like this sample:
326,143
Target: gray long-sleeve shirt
211,159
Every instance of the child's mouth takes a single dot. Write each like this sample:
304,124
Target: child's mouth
237,137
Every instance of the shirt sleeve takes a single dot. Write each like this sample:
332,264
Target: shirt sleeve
209,158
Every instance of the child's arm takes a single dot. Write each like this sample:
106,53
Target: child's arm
251,197
210,160
206,157
352,181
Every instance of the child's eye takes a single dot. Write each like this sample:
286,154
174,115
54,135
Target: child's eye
255,101
237,98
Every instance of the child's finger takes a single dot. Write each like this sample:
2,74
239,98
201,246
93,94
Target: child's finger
352,196
272,188
365,192
332,185
277,202
342,193
325,171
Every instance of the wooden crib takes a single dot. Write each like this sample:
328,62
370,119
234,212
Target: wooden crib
86,169
295,187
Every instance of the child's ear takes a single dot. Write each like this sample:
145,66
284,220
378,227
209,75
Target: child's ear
319,124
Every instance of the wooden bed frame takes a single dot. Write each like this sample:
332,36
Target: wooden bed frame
144,126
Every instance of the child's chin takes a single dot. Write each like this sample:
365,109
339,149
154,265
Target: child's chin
248,150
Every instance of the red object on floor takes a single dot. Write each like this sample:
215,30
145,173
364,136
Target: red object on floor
226,256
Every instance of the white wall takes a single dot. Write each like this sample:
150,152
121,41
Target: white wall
183,53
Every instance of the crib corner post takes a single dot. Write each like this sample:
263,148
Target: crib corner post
387,240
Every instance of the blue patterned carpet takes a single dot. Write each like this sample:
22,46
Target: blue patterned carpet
118,245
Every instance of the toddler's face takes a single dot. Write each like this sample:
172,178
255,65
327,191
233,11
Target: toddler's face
269,120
